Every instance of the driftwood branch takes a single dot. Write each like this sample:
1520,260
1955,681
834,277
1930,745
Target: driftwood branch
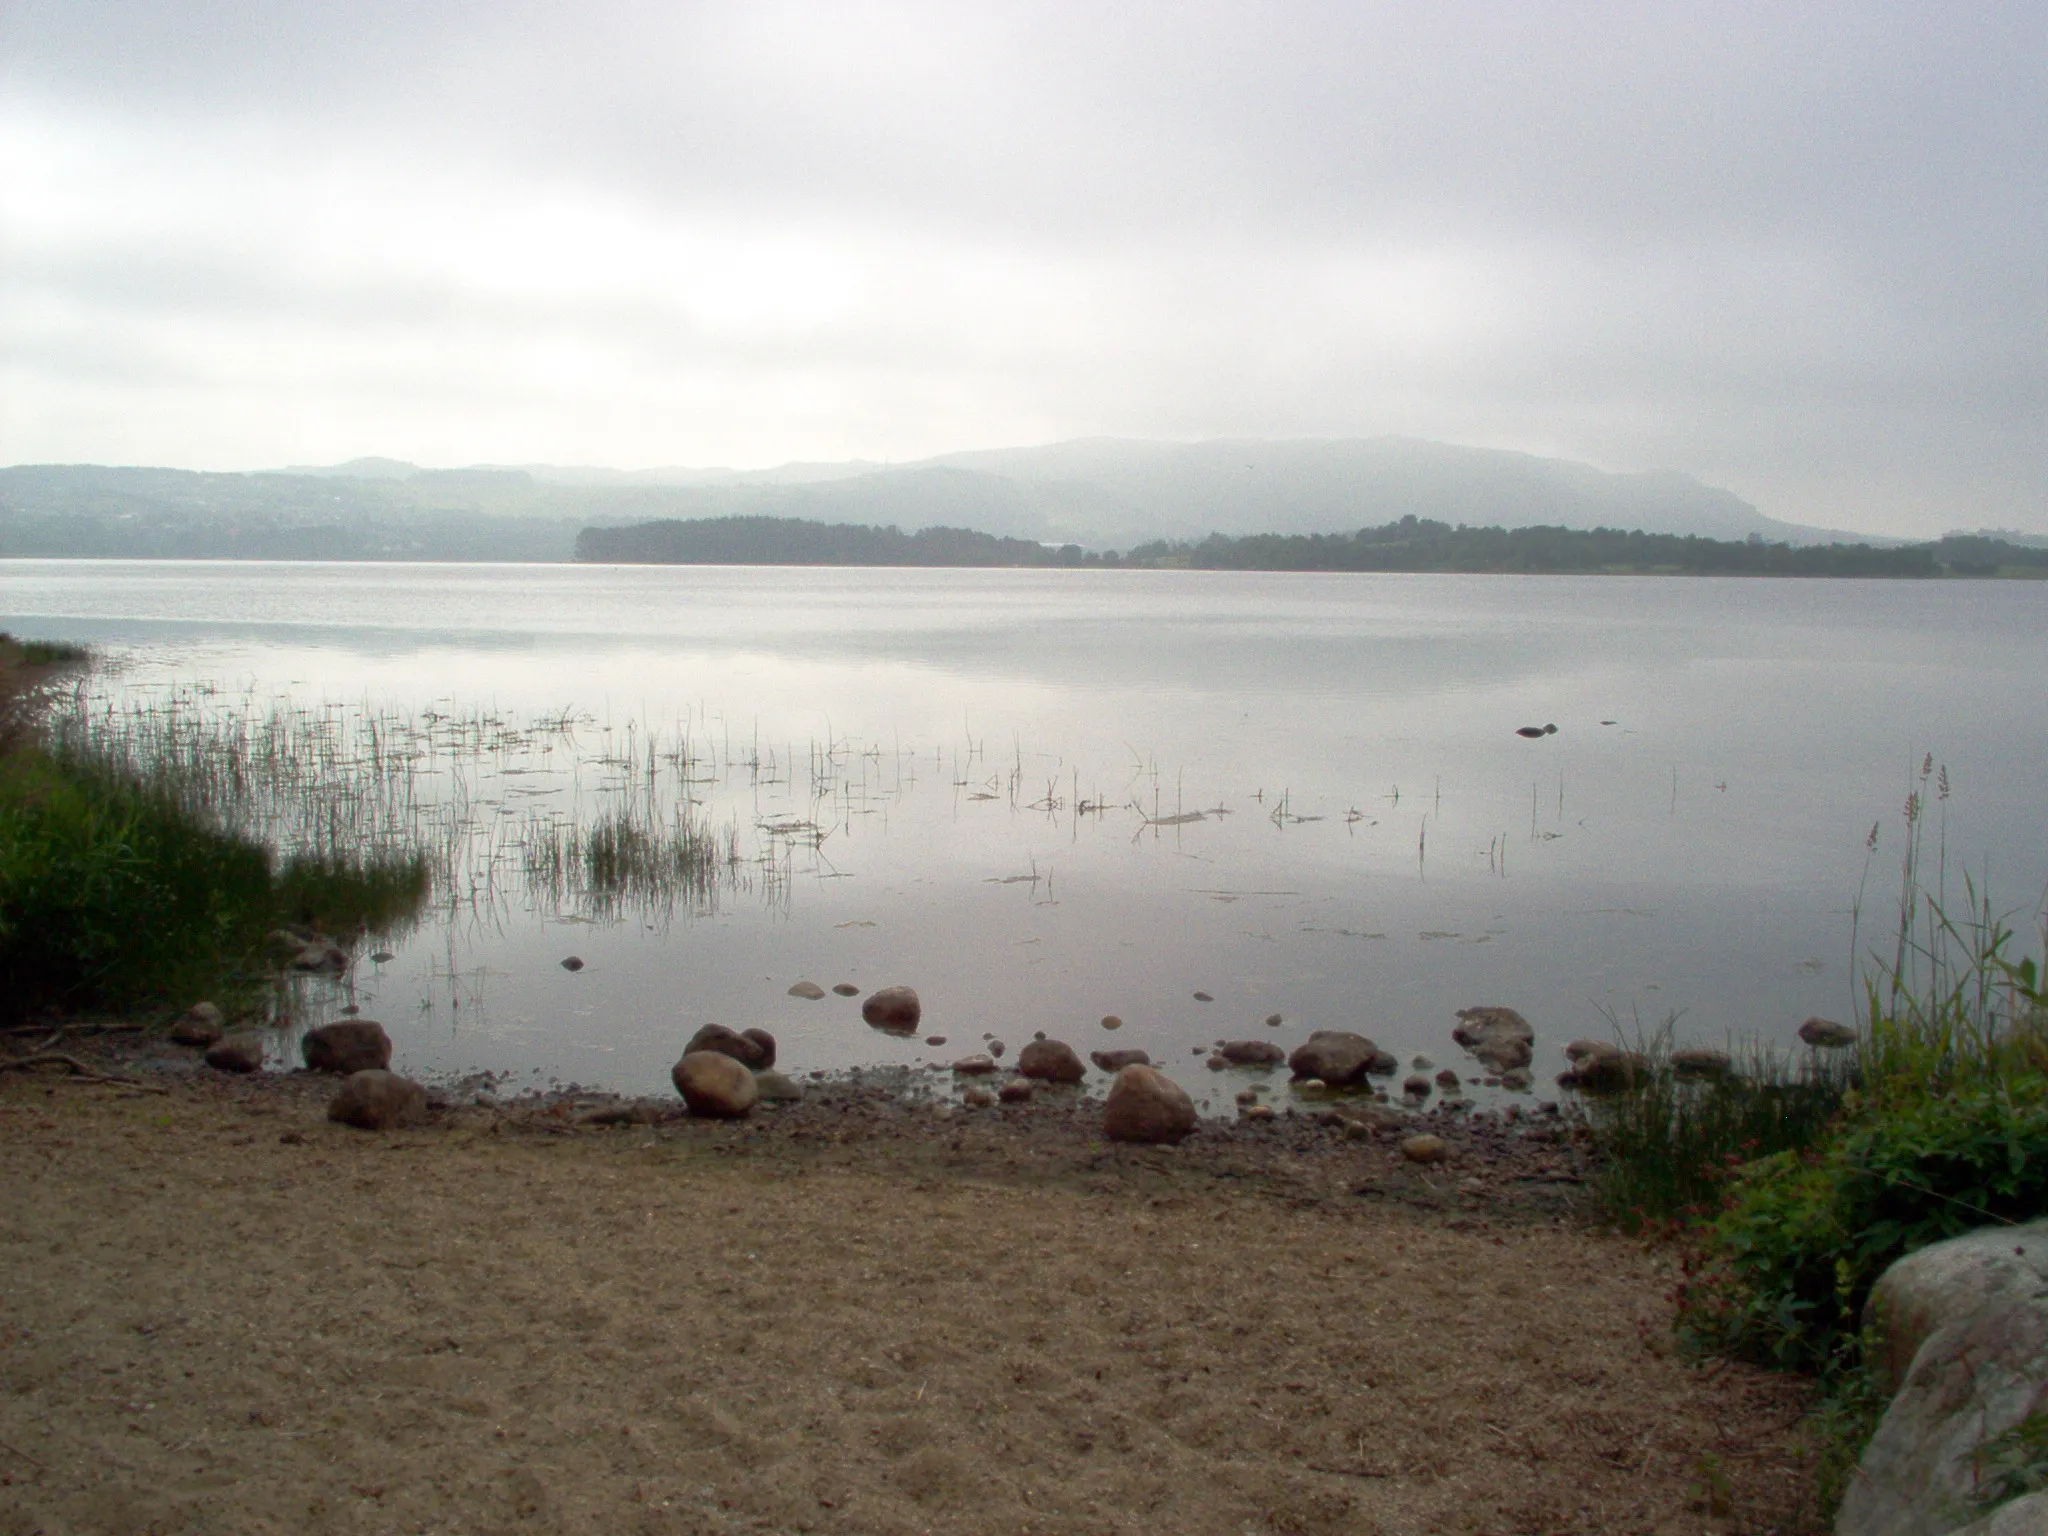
79,1071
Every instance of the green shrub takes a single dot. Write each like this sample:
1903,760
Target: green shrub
1803,1237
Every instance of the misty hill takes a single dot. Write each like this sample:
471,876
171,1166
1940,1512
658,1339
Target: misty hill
1099,493
1406,545
795,541
1102,492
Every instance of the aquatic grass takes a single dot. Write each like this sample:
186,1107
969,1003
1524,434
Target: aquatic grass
1671,1144
112,896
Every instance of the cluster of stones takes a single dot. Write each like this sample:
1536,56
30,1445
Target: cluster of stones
358,1051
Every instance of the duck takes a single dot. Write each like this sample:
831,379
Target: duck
1533,732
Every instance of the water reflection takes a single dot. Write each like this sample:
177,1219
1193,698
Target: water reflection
1047,797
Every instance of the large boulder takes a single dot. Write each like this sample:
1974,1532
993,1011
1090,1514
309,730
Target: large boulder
376,1100
1337,1056
1251,1053
1950,1455
1500,1037
353,1045
714,1085
753,1048
1926,1291
1051,1061
1146,1105
895,1009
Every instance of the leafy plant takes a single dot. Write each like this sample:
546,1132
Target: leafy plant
1803,1237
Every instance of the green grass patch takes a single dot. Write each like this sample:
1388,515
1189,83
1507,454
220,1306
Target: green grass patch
1672,1145
114,897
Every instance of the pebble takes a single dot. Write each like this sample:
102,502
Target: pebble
1111,1021
1425,1149
934,1039
572,963
977,1098
1258,1112
809,991
974,1066
846,989
1017,1090
1273,1021
1203,997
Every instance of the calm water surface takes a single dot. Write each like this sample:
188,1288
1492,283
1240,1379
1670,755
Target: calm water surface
1002,768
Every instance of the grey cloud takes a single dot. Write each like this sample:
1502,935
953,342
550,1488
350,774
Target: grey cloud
1795,249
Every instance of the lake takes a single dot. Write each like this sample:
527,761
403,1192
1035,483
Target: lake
1042,797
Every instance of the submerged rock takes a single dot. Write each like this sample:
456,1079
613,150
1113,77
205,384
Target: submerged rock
1609,1069
353,1045
1113,1062
846,989
1827,1035
1500,1037
1251,1053
895,1009
572,962
1145,1105
376,1100
1337,1056
1700,1062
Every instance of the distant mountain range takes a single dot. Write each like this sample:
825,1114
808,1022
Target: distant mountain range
1100,493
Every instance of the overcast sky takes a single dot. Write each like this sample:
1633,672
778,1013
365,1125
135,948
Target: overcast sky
1799,251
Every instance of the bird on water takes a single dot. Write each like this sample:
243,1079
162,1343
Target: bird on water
1534,731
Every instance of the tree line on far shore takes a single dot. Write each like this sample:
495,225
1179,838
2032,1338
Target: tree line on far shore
1408,545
